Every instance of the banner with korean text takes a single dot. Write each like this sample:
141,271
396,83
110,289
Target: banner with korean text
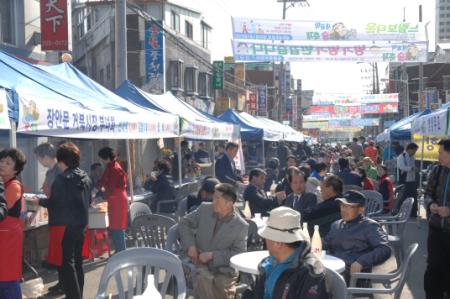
344,98
288,30
362,52
433,124
55,25
73,121
4,120
262,100
154,56
430,147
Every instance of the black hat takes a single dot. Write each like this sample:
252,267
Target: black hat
353,198
209,184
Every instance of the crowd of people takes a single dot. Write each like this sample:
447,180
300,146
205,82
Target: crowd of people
301,185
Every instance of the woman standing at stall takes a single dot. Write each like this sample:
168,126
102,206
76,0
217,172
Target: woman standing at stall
114,183
68,205
12,162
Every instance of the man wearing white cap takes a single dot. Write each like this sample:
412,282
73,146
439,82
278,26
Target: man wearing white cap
291,271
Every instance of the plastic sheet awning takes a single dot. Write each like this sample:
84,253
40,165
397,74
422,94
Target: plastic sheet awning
193,124
248,132
52,106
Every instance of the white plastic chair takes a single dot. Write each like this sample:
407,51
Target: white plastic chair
335,283
151,230
136,264
374,202
386,279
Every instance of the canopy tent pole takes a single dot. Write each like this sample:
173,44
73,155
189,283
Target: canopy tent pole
130,173
180,178
12,134
213,158
263,153
420,174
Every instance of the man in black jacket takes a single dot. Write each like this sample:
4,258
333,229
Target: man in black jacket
225,167
256,196
328,211
437,275
291,271
299,200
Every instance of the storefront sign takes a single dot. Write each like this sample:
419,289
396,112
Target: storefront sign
252,103
262,100
218,74
286,30
154,56
362,52
55,25
4,120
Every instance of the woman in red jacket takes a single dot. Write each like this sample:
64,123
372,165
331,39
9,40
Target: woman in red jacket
12,162
385,187
113,183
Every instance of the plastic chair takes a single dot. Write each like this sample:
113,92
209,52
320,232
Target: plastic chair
387,279
136,264
173,245
374,202
352,187
395,226
181,209
399,193
335,283
139,209
254,241
151,230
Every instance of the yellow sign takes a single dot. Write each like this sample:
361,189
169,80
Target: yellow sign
430,148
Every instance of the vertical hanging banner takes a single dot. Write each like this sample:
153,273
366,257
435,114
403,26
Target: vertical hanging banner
55,25
262,100
252,103
154,56
218,74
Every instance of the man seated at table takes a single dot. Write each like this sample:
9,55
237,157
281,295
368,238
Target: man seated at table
328,211
225,166
205,194
359,241
347,176
299,199
201,156
256,196
291,271
212,234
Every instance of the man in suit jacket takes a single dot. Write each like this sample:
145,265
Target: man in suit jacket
299,199
225,167
212,234
256,196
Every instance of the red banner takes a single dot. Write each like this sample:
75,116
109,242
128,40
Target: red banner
54,25
252,102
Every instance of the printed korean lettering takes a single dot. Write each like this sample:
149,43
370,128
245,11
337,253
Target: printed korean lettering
55,19
65,120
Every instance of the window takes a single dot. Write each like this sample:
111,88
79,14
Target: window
205,85
441,30
448,7
175,21
442,15
205,32
189,30
6,22
101,77
190,80
176,75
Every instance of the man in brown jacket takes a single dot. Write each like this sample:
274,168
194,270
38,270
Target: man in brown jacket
212,234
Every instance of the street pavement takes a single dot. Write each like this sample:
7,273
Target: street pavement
415,231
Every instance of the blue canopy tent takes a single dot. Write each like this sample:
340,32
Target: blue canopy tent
401,130
248,132
51,106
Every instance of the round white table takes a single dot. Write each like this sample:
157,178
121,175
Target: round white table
247,262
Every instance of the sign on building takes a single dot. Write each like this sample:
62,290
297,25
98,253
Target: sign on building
55,25
262,100
154,56
218,74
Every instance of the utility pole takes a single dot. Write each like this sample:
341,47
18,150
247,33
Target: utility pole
421,70
121,68
282,78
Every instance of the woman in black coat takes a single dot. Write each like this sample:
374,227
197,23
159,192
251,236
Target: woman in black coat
162,186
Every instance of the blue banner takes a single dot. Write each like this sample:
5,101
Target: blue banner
154,56
262,100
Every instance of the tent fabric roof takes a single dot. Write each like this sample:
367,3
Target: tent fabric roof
194,125
49,105
248,132
270,133
289,134
401,130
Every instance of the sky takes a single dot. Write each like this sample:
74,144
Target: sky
324,77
